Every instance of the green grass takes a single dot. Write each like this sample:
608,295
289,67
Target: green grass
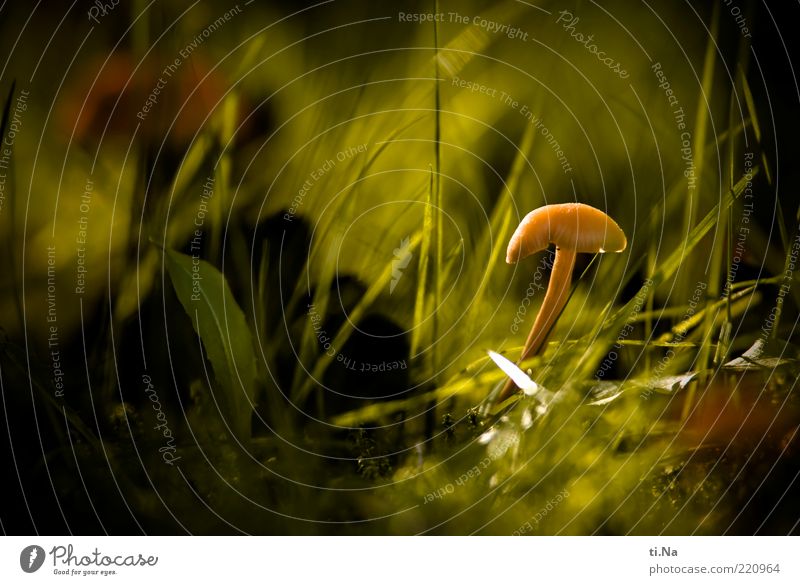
628,452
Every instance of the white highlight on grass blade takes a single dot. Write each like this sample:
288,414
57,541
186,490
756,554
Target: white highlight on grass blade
526,420
486,437
606,399
520,378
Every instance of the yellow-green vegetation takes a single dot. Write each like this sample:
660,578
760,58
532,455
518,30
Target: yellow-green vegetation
255,260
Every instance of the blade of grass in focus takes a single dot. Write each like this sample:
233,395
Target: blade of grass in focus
606,331
714,266
699,134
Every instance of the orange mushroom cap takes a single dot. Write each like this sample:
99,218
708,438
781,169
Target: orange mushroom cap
570,226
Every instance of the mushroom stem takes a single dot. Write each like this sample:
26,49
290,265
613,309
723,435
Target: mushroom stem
554,300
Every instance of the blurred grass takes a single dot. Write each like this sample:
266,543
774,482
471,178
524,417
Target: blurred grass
452,172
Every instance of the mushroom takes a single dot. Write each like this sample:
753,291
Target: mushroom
573,228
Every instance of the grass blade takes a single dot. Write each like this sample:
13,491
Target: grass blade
355,316
500,222
223,330
420,303
597,344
